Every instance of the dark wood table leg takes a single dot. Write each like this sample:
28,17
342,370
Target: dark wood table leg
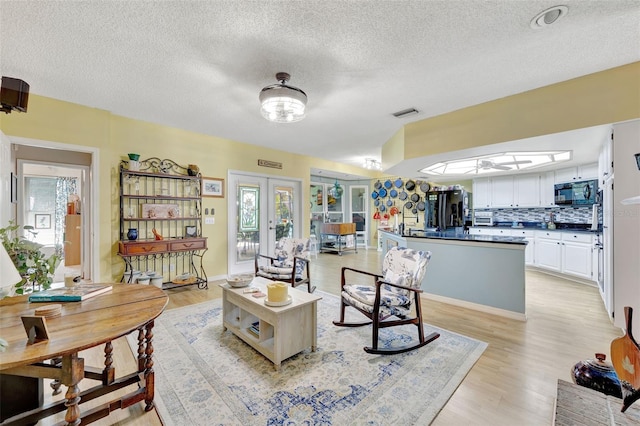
109,372
149,374
141,355
72,373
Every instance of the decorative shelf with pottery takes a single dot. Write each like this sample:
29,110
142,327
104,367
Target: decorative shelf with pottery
161,221
274,318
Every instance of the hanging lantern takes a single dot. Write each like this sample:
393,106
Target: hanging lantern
336,191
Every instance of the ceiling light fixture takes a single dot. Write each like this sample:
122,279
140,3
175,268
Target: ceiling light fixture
371,164
504,161
548,17
282,103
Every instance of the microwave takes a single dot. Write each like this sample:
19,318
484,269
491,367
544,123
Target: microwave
581,193
482,218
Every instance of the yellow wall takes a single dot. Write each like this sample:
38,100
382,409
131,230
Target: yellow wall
602,98
115,136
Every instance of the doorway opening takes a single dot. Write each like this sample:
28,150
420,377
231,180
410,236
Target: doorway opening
50,202
56,183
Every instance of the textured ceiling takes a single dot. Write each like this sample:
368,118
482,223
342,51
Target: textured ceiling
200,65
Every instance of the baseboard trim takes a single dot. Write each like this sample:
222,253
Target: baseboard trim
477,307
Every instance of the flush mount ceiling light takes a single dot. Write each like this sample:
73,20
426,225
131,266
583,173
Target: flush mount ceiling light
548,17
503,161
371,164
282,103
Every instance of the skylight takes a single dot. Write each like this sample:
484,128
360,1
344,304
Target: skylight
504,161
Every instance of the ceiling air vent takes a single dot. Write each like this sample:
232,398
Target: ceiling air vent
405,112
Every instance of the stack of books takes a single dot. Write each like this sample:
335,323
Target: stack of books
255,329
70,294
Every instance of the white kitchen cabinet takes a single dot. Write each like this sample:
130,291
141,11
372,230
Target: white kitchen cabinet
548,250
529,236
605,161
481,195
577,255
526,190
480,231
508,191
502,191
584,172
547,192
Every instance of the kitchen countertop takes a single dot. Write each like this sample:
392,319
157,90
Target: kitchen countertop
535,226
461,237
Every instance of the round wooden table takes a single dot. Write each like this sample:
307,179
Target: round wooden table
82,325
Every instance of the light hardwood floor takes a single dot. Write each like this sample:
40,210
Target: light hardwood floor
514,382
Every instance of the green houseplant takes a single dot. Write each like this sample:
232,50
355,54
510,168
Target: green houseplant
33,265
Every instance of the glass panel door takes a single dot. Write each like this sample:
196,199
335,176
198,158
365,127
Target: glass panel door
318,201
265,209
248,222
282,222
359,213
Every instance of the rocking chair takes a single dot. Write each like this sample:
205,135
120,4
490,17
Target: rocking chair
391,295
290,263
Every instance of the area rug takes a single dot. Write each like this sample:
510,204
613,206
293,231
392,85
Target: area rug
207,376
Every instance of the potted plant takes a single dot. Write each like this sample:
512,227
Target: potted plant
33,265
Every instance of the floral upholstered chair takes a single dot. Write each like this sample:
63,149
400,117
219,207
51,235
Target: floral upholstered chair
388,302
290,263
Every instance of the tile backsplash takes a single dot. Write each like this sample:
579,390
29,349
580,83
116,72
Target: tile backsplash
539,214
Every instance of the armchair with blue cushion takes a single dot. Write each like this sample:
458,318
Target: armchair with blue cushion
388,302
290,263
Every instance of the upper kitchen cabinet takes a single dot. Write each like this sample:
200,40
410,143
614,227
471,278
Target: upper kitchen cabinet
605,161
584,172
547,193
502,191
526,191
515,191
481,195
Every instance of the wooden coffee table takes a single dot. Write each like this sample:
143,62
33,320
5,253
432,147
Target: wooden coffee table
283,331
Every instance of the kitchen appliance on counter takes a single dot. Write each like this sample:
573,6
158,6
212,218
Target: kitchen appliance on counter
582,193
481,218
446,209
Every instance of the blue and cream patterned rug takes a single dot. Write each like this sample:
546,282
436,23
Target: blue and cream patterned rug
206,376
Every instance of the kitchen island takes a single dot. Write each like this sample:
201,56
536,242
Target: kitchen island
484,273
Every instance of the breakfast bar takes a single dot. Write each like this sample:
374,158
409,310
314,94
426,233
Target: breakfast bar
484,273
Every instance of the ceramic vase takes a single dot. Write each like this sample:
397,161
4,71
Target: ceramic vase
132,234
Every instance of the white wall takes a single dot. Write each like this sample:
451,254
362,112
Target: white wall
6,167
626,223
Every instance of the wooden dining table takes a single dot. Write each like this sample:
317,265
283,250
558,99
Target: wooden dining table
82,325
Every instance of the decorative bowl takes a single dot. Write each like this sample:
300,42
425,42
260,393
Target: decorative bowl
134,157
240,280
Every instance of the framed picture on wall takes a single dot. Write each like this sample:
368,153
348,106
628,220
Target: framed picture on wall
43,221
212,187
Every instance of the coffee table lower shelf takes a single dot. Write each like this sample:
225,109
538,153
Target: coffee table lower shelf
281,331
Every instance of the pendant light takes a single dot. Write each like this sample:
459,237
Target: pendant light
282,103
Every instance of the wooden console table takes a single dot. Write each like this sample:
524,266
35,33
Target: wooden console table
82,325
336,234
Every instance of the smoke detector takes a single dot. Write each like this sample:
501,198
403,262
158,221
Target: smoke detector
548,17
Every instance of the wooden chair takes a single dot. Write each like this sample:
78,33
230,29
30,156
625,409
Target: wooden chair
389,301
290,263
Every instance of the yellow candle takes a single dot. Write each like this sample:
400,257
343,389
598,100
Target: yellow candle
277,292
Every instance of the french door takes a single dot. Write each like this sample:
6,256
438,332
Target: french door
262,210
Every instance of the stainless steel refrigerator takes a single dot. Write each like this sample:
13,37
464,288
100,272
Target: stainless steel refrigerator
447,210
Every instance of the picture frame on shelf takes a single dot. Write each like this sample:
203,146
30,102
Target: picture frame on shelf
42,221
190,231
212,187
